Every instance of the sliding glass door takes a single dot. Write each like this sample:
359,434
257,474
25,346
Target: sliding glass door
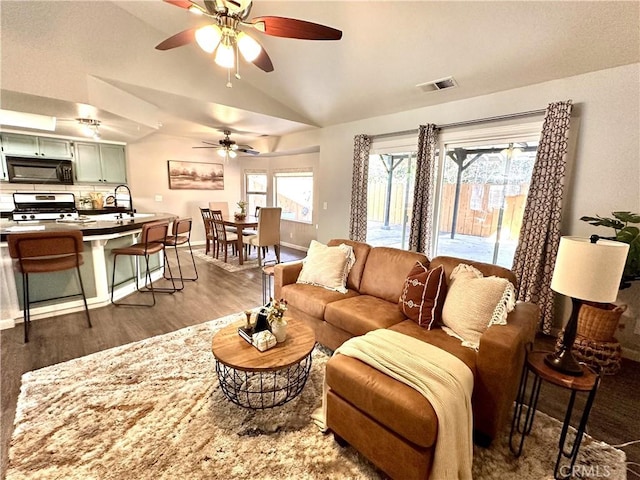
390,198
483,191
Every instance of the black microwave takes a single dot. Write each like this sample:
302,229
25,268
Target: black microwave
39,170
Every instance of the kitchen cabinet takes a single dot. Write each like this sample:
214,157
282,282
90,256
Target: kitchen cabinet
100,163
4,176
13,144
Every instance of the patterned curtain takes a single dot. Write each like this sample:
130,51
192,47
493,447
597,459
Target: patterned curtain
358,220
422,216
537,248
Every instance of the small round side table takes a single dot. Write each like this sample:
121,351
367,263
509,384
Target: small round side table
587,384
258,380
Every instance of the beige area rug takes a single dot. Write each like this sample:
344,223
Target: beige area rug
153,410
231,265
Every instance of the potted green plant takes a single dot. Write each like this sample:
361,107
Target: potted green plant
625,231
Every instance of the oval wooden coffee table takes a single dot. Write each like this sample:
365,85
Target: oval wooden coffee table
257,380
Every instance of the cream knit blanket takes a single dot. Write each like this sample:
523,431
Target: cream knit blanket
444,380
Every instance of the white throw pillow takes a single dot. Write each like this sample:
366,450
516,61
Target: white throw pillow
474,303
327,267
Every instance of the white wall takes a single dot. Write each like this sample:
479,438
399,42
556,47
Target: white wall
147,172
604,158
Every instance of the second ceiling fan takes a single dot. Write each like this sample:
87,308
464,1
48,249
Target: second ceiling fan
229,148
225,38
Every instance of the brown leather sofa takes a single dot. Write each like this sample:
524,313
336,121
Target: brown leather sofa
388,422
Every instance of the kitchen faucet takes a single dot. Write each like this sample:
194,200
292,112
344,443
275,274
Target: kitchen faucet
115,196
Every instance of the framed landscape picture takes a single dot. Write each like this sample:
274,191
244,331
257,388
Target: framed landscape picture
195,175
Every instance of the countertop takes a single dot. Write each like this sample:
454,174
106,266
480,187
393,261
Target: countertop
103,224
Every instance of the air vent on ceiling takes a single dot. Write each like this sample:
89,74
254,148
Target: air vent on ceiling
441,84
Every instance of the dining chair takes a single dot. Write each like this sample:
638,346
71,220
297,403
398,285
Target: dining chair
222,206
249,231
152,241
224,238
210,232
224,209
45,252
181,235
268,231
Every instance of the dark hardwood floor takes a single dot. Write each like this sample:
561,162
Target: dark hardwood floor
217,293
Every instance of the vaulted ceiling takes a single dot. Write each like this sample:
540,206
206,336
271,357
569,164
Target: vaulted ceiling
97,58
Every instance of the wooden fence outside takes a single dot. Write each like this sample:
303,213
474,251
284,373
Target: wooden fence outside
478,208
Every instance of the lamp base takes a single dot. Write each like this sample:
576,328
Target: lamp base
564,362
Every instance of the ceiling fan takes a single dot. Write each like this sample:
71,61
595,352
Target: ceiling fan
225,38
228,148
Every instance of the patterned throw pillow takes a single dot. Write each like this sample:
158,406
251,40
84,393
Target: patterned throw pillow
327,267
474,303
423,295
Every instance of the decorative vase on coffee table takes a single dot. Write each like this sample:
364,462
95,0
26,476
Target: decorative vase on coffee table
279,329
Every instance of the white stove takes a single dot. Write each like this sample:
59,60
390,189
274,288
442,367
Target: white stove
44,206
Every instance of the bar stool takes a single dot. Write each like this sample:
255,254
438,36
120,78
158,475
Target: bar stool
181,226
44,252
152,241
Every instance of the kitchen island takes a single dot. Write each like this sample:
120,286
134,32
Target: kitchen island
101,234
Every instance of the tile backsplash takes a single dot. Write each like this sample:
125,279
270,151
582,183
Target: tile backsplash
80,191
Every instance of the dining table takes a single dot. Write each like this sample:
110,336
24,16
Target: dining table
248,222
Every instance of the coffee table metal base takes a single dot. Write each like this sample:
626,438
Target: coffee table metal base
258,390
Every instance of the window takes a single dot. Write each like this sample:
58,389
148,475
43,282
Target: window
256,188
482,192
390,198
294,193
482,184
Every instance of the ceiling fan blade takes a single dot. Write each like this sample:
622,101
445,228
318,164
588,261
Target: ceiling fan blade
262,61
234,2
180,3
206,147
179,39
249,151
293,28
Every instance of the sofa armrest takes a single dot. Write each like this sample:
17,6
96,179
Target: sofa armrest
499,366
285,274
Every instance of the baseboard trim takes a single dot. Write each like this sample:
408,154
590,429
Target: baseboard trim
295,247
631,354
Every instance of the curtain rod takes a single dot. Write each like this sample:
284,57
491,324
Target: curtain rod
464,123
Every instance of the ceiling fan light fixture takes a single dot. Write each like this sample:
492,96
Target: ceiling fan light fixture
225,56
232,154
222,152
249,48
208,37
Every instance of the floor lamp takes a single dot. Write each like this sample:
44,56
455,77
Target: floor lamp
587,269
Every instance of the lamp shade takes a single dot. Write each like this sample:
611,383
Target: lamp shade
208,37
249,48
225,56
589,271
